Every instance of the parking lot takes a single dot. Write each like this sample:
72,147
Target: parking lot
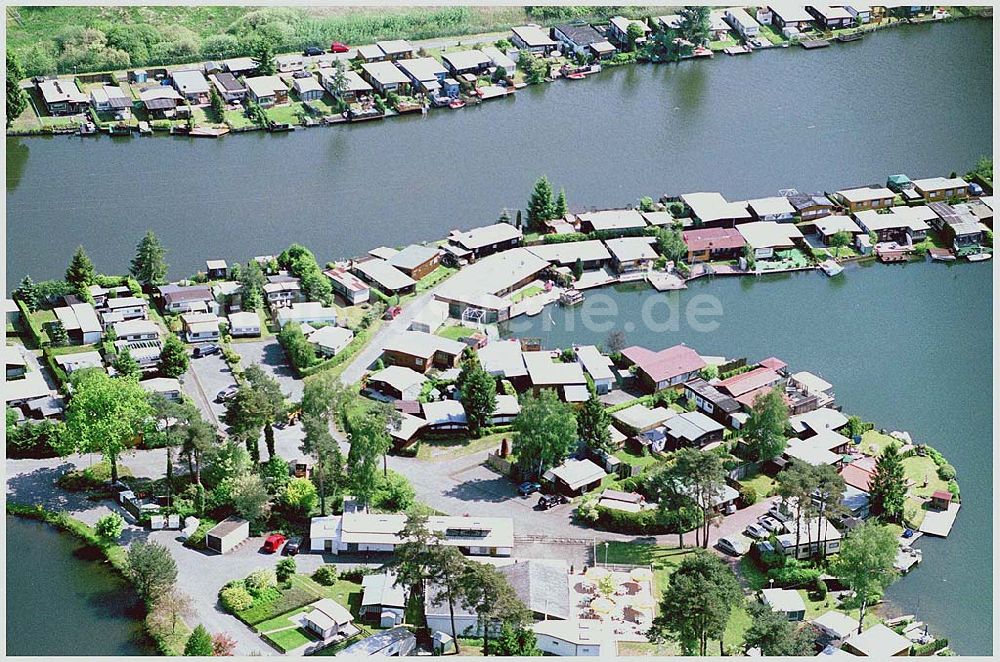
270,356
205,378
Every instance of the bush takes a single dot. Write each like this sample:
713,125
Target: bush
748,495
197,539
946,472
820,589
793,573
260,580
94,477
326,575
394,494
235,598
356,574
646,522
110,527
285,569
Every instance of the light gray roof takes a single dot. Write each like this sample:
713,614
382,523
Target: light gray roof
418,343
413,256
613,219
470,59
783,600
533,35
479,282
711,206
830,225
381,590
628,249
423,68
395,46
265,86
542,586
386,73
691,425
769,234
544,371
485,236
577,473
570,251
641,417
596,364
309,84
865,193
399,377
190,82
915,218
135,327
503,357
384,274
442,412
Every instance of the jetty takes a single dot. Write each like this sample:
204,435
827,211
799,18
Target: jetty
208,131
939,522
664,282
737,50
810,44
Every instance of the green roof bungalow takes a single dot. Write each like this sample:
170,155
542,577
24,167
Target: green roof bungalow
902,185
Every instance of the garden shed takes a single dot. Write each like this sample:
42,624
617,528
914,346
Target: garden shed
227,534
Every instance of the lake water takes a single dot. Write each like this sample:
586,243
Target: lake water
62,601
907,347
915,100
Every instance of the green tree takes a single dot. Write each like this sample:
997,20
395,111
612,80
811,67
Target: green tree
772,633
560,209
888,485
28,293
257,405
695,24
301,495
370,440
325,400
646,203
840,240
149,265
276,474
199,437
671,244
545,433
540,205
504,216
446,570
411,559
533,68
218,105
199,644
57,334
796,484
478,390
696,476
866,563
80,273
105,415
697,603
301,352
633,33
17,98
251,499
594,424
487,593
515,641
578,269
125,365
173,357
285,569
150,568
110,527
252,281
262,50
764,432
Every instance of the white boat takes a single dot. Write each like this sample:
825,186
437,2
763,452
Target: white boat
980,257
830,268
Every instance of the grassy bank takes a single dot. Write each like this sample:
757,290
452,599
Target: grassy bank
113,552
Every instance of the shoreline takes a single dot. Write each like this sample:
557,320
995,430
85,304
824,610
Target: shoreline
75,124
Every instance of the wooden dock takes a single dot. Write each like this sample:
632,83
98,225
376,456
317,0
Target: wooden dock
664,282
810,44
939,522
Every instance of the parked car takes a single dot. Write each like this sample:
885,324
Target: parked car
274,542
757,531
312,51
733,545
206,350
777,513
527,488
770,523
293,545
392,312
547,501
339,47
226,394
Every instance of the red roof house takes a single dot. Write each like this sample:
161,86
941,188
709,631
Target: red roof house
669,367
745,382
706,244
774,363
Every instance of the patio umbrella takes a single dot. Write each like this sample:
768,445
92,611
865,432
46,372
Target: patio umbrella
641,574
602,605
597,572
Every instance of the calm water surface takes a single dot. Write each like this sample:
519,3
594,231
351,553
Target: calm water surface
62,601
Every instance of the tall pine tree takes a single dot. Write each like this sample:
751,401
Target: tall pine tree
888,485
560,209
479,392
540,206
148,265
17,98
80,273
593,423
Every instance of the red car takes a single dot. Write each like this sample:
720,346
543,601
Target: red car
274,542
339,47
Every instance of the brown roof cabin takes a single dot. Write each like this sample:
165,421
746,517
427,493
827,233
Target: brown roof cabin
940,500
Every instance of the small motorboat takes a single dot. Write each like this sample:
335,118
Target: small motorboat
980,257
831,268
941,255
457,103
571,297
576,75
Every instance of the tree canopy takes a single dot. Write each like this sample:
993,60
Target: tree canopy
17,98
545,433
764,431
772,633
149,266
888,485
593,423
478,390
487,593
151,569
80,273
174,358
866,563
540,205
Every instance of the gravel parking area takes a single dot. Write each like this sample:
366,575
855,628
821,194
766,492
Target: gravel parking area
270,356
207,376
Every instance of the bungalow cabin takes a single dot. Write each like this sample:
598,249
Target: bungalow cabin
356,531
239,66
227,534
283,291
878,641
669,22
810,384
499,59
447,416
612,222
776,208
267,91
668,367
692,430
161,101
397,382
228,86
639,419
959,227
903,225
72,362
790,16
388,279
810,206
573,638
385,77
503,359
598,366
828,226
533,39
545,373
466,62
327,619
211,67
592,254
136,330
111,99
824,447
786,602
382,599
831,18
480,291
746,386
416,261
348,286
395,642
575,477
712,210
818,535
617,32
742,22
370,53
632,254
331,340
216,269
486,240
767,237
80,322
583,41
62,97
354,86
396,49
290,63
201,327
383,252
185,299
452,88
425,73
936,189
168,387
308,89
306,312
901,185
711,244
940,500
712,402
718,26
835,625
858,474
244,324
191,85
506,410
866,197
422,351
814,422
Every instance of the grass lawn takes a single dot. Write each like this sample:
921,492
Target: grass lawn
874,442
301,591
721,44
526,293
663,559
761,483
455,447
772,35
634,459
288,113
289,639
434,278
279,622
455,332
755,578
237,119
923,472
